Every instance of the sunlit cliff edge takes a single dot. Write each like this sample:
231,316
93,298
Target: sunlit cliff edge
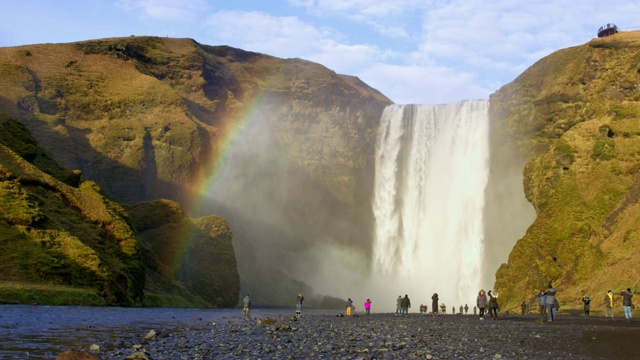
574,116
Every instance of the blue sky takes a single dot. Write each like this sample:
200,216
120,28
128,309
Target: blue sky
413,51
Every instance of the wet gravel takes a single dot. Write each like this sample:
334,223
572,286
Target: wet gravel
382,336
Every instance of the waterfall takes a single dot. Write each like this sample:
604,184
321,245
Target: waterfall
432,167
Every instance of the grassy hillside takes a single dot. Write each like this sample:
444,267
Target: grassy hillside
60,243
144,116
576,116
64,241
150,118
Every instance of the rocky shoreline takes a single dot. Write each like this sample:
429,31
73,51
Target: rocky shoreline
384,336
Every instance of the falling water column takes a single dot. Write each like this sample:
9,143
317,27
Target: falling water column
431,172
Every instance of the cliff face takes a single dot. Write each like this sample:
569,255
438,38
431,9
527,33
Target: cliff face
188,261
63,241
148,118
144,116
574,117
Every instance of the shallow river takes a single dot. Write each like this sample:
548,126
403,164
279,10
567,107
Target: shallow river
42,332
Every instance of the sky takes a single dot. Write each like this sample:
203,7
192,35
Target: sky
413,51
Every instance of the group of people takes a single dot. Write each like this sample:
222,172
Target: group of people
402,305
609,302
487,300
547,301
246,302
549,305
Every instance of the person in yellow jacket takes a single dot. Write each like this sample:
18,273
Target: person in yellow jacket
608,305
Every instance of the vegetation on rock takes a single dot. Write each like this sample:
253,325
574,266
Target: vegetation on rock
576,116
60,244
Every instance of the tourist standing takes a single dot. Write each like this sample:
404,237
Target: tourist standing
434,303
246,302
493,305
367,306
523,307
461,310
627,303
466,309
349,306
405,304
398,305
587,305
481,303
299,301
542,303
608,305
550,298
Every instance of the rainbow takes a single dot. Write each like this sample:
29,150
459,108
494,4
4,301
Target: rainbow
230,131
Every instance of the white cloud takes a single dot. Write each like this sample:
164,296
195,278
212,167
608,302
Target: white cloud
164,9
423,84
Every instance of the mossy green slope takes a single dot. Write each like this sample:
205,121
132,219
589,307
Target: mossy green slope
64,244
60,244
576,116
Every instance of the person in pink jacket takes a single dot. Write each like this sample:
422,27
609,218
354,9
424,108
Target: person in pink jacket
367,306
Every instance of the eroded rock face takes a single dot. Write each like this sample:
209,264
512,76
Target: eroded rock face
188,261
574,117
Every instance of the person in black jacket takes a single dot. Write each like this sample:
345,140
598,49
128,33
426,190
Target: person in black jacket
434,303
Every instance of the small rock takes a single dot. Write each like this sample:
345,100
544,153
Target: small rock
150,335
94,347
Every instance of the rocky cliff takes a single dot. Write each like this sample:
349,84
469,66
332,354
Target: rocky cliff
147,118
574,118
65,241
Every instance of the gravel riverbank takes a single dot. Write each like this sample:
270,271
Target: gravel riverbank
385,336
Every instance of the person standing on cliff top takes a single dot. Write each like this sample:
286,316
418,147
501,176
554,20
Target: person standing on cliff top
367,306
627,303
398,305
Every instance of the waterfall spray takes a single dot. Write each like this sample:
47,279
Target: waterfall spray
432,167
